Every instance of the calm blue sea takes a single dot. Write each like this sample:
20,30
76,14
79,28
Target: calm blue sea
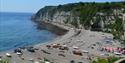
16,30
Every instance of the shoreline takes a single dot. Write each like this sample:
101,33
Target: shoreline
39,24
75,40
60,37
53,27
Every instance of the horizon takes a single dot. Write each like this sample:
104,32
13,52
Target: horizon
33,6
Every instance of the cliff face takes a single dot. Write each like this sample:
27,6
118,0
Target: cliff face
107,17
53,14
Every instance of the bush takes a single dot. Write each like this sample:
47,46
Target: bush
4,61
106,60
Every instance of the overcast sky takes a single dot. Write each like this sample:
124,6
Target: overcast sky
35,5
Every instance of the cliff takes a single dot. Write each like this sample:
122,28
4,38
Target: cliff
106,17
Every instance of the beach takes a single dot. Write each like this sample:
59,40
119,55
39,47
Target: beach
78,45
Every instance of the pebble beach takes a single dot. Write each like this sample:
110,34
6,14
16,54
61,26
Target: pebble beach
77,45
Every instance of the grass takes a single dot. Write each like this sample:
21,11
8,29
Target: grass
4,61
106,60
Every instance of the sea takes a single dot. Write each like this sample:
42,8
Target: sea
17,30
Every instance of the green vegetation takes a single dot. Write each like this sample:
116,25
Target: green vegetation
74,23
4,61
117,29
45,60
106,60
91,11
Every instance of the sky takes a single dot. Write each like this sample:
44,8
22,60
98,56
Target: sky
33,6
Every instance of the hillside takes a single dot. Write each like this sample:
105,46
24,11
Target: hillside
106,17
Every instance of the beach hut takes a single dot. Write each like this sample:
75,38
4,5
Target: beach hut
115,49
123,51
119,49
110,49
